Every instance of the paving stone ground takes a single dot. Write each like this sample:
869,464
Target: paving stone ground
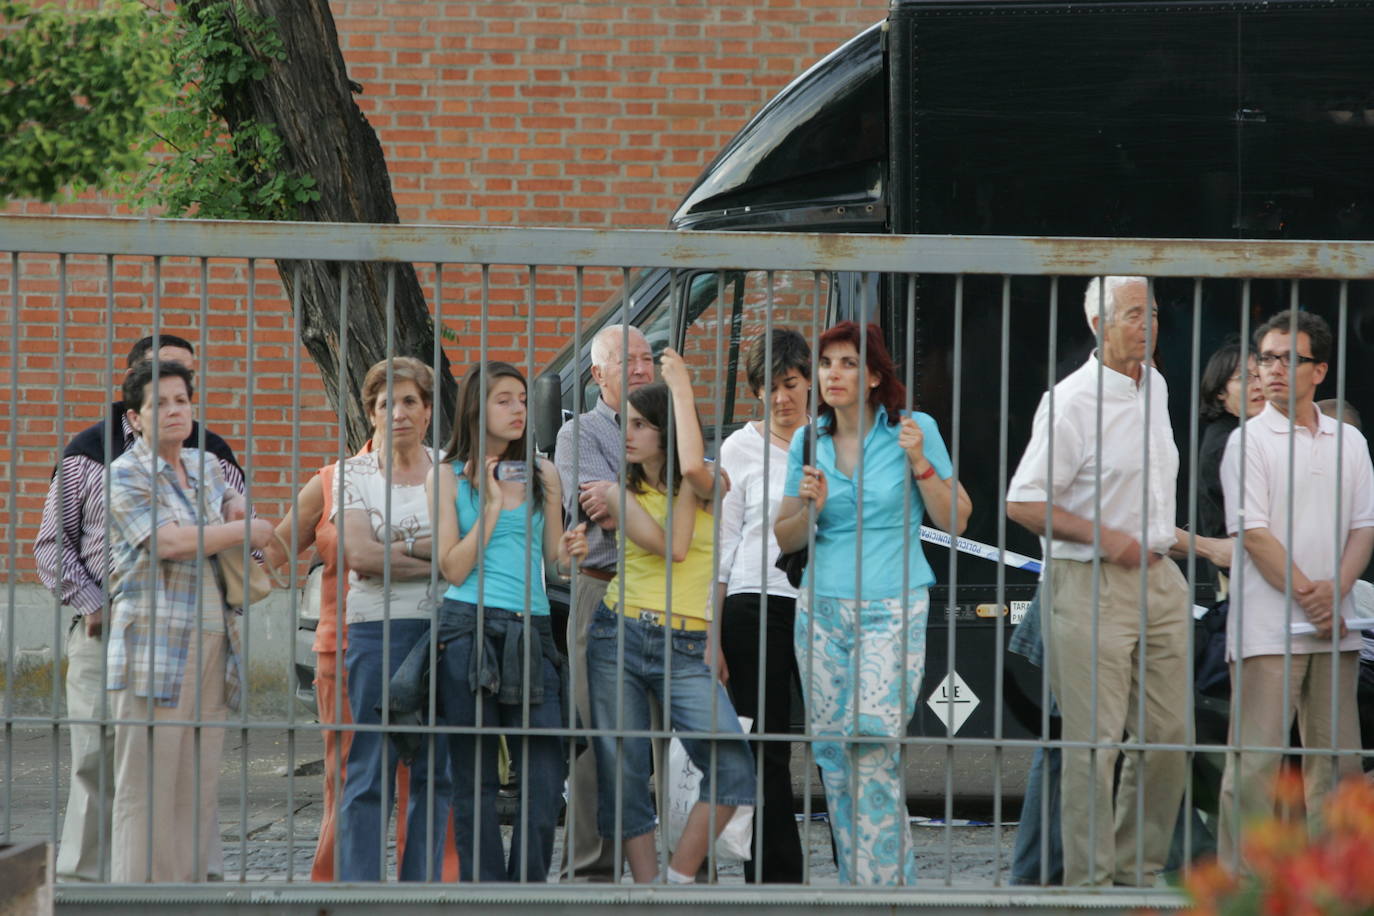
281,813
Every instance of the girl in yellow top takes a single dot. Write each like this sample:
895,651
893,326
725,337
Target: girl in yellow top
663,636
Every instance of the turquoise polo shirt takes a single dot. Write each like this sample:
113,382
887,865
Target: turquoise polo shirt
885,468
503,585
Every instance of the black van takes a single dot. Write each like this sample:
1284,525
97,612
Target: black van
1106,119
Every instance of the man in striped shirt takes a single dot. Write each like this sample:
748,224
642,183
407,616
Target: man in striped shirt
72,562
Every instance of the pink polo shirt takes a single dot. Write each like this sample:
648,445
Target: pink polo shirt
1260,615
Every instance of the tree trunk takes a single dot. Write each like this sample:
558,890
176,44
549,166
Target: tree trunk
309,100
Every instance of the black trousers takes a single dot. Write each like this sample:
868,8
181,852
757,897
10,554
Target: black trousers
775,816
1365,699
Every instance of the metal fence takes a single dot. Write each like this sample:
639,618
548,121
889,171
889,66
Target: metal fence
980,328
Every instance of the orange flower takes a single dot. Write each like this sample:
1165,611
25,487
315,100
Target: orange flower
1292,874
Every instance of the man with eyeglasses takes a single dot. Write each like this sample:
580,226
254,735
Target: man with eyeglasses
1291,520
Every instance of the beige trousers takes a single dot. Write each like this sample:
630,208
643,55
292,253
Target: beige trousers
1258,719
172,852
86,825
1100,693
586,857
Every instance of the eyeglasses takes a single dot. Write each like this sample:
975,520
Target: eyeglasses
1267,360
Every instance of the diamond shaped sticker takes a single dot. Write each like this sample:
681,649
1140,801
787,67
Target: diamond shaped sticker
952,698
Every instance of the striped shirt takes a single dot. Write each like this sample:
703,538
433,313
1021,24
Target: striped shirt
597,457
153,602
69,551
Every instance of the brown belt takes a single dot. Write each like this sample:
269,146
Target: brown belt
605,575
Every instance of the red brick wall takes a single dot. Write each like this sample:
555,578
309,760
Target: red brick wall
585,114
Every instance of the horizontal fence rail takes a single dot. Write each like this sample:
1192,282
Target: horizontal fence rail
1332,260
1017,526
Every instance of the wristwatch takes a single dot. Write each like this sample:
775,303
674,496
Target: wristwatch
410,545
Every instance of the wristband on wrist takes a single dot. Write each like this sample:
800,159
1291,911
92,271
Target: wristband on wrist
927,473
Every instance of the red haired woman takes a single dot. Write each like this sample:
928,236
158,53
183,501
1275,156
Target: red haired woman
876,469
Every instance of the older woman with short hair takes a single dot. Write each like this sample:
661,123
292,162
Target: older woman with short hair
386,531
173,650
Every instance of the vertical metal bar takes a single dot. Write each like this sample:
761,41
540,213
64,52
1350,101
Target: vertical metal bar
389,473
437,738
201,560
478,460
530,545
723,390
56,682
247,560
1289,477
665,695
106,777
1143,618
1235,738
152,571
761,678
427,726
341,582
909,363
297,325
1047,589
851,746
808,584
7,819
620,581
1096,604
1338,536
999,655
1190,714
577,661
951,636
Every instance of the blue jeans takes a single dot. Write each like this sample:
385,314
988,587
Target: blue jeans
365,810
540,762
688,709
1043,780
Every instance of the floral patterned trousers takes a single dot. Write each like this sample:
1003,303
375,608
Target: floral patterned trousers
861,666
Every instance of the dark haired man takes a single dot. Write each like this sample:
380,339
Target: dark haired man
70,556
1288,538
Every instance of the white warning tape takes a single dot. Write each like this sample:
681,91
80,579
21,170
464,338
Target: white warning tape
986,551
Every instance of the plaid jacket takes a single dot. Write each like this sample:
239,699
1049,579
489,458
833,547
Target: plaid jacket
153,603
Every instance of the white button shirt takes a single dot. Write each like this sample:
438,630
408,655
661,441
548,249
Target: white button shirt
1260,615
742,525
1137,487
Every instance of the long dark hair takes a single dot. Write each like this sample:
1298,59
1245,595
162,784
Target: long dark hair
889,392
652,402
465,442
1215,378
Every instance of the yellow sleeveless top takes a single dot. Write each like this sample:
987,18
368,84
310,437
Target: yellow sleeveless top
646,573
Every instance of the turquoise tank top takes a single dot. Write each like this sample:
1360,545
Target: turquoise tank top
505,556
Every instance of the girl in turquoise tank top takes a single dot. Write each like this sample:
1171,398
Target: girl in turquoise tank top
499,668
662,635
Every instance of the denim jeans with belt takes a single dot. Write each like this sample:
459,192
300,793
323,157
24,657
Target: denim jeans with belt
688,698
495,665
371,767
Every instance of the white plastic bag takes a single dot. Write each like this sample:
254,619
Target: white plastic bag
736,841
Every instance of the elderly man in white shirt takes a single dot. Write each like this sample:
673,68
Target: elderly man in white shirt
1331,501
1113,498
